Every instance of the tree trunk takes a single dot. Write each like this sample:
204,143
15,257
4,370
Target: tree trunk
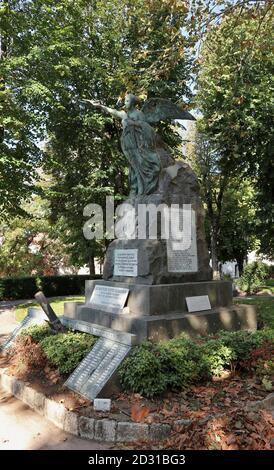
91,266
240,263
214,257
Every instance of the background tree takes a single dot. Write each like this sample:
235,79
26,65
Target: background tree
29,244
229,201
235,95
99,49
19,153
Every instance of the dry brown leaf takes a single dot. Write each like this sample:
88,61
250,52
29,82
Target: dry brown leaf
139,413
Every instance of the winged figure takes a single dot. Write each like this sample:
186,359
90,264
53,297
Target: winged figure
140,143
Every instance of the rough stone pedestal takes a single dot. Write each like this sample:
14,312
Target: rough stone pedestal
157,312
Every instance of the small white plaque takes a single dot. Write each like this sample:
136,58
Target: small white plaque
102,404
110,299
198,303
126,263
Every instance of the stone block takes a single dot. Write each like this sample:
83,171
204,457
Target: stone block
70,423
129,432
55,412
105,430
159,299
159,432
33,398
86,427
18,389
70,308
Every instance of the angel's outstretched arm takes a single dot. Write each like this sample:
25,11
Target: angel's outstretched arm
113,112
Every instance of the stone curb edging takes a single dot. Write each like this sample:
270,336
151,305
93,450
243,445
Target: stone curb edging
107,430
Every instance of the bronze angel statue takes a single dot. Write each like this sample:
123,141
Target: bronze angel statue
140,143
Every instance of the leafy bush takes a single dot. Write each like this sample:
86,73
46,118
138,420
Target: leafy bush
66,350
151,368
263,363
26,287
182,362
253,276
37,332
241,343
142,371
260,336
216,356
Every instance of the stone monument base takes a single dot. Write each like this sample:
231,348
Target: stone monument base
158,312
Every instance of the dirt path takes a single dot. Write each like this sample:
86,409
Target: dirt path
7,322
23,429
20,427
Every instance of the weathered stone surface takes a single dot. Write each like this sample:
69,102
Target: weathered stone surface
18,387
159,299
86,427
105,430
70,423
177,185
129,432
158,432
55,412
33,398
163,312
70,308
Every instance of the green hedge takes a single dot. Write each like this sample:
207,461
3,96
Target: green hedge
63,350
25,287
152,369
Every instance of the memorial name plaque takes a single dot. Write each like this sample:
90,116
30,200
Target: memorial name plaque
198,303
183,260
109,299
126,263
97,368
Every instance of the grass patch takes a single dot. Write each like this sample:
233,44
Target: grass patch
57,305
265,310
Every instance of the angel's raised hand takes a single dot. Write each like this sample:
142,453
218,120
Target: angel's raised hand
94,103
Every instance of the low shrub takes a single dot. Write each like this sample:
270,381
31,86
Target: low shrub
216,356
142,371
151,369
261,359
260,336
240,343
66,350
182,362
253,276
37,332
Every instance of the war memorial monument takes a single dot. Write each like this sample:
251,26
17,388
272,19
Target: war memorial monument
154,287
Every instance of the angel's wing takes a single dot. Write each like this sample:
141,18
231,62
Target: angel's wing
159,109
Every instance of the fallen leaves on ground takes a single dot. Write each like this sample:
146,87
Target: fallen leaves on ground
139,413
217,416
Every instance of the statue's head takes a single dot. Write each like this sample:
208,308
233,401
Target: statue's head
130,100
